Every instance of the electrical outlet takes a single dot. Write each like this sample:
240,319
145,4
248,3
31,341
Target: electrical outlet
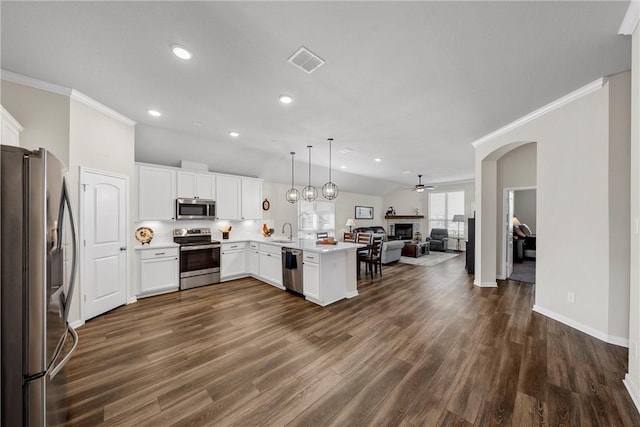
571,297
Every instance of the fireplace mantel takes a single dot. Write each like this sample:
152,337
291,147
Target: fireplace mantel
403,216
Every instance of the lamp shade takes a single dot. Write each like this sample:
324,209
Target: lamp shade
350,222
515,221
458,218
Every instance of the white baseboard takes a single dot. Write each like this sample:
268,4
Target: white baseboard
351,294
633,390
611,339
76,324
493,284
132,300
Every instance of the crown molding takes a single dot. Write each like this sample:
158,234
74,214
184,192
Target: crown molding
84,99
631,18
34,83
64,91
576,94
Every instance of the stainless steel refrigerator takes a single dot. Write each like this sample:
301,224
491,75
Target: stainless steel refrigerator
35,297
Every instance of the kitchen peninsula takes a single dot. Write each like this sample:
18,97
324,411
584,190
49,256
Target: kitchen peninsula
329,271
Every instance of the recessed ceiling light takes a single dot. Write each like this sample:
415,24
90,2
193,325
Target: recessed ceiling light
234,134
196,123
181,51
154,113
343,167
346,151
406,172
286,99
377,159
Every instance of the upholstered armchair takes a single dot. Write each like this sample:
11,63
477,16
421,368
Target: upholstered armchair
439,239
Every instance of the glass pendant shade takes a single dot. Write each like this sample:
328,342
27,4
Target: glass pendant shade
309,193
330,190
292,195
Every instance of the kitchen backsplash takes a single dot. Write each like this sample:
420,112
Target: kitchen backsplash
163,231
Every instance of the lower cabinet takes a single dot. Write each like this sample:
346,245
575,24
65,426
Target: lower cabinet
253,261
311,275
271,264
233,262
159,270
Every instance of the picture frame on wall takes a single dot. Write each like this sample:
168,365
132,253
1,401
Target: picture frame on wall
364,212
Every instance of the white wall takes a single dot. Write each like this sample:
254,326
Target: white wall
632,379
525,207
573,176
100,142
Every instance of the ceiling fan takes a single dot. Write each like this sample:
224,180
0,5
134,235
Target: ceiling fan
420,187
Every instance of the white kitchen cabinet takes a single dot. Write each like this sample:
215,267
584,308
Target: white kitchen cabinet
311,275
271,264
193,185
251,198
156,193
158,270
228,197
10,133
253,261
233,262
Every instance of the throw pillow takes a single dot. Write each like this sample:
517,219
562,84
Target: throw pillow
525,228
518,231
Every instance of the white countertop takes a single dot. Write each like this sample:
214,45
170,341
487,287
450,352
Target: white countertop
157,245
303,244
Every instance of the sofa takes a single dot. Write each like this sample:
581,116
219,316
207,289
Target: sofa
438,239
391,249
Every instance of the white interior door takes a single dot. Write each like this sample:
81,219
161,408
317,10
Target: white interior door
509,233
104,269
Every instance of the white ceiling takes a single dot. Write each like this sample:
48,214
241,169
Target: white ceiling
411,82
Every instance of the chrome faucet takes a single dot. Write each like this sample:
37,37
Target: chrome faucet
290,229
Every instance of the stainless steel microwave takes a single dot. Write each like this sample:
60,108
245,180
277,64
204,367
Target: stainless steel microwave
195,209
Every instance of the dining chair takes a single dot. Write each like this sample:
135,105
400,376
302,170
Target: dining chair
322,235
363,239
374,258
349,237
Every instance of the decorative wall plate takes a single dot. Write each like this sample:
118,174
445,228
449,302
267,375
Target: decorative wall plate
266,205
144,235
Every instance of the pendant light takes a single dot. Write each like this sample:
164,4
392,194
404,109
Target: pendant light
330,190
309,193
292,194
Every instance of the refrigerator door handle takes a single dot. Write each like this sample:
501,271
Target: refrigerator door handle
74,259
54,371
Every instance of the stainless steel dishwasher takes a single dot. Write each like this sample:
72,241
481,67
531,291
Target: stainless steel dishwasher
292,269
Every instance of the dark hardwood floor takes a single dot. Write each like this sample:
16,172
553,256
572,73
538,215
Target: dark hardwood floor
420,346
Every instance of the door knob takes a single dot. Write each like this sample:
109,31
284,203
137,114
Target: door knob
123,248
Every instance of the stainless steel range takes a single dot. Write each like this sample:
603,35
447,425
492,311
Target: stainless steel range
199,257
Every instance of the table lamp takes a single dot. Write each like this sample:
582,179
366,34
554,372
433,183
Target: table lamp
350,223
458,219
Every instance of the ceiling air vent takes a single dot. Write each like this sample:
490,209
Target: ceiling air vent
306,60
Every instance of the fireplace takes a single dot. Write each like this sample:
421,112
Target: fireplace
403,231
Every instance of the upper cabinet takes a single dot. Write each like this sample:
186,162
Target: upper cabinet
237,198
193,185
156,193
10,134
228,197
251,199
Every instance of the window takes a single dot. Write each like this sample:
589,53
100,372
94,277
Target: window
442,208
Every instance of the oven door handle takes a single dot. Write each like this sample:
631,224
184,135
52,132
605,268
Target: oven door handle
199,247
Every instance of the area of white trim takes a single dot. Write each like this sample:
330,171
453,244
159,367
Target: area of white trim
76,324
633,390
485,284
7,116
34,83
578,93
132,300
611,339
350,295
81,97
631,18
